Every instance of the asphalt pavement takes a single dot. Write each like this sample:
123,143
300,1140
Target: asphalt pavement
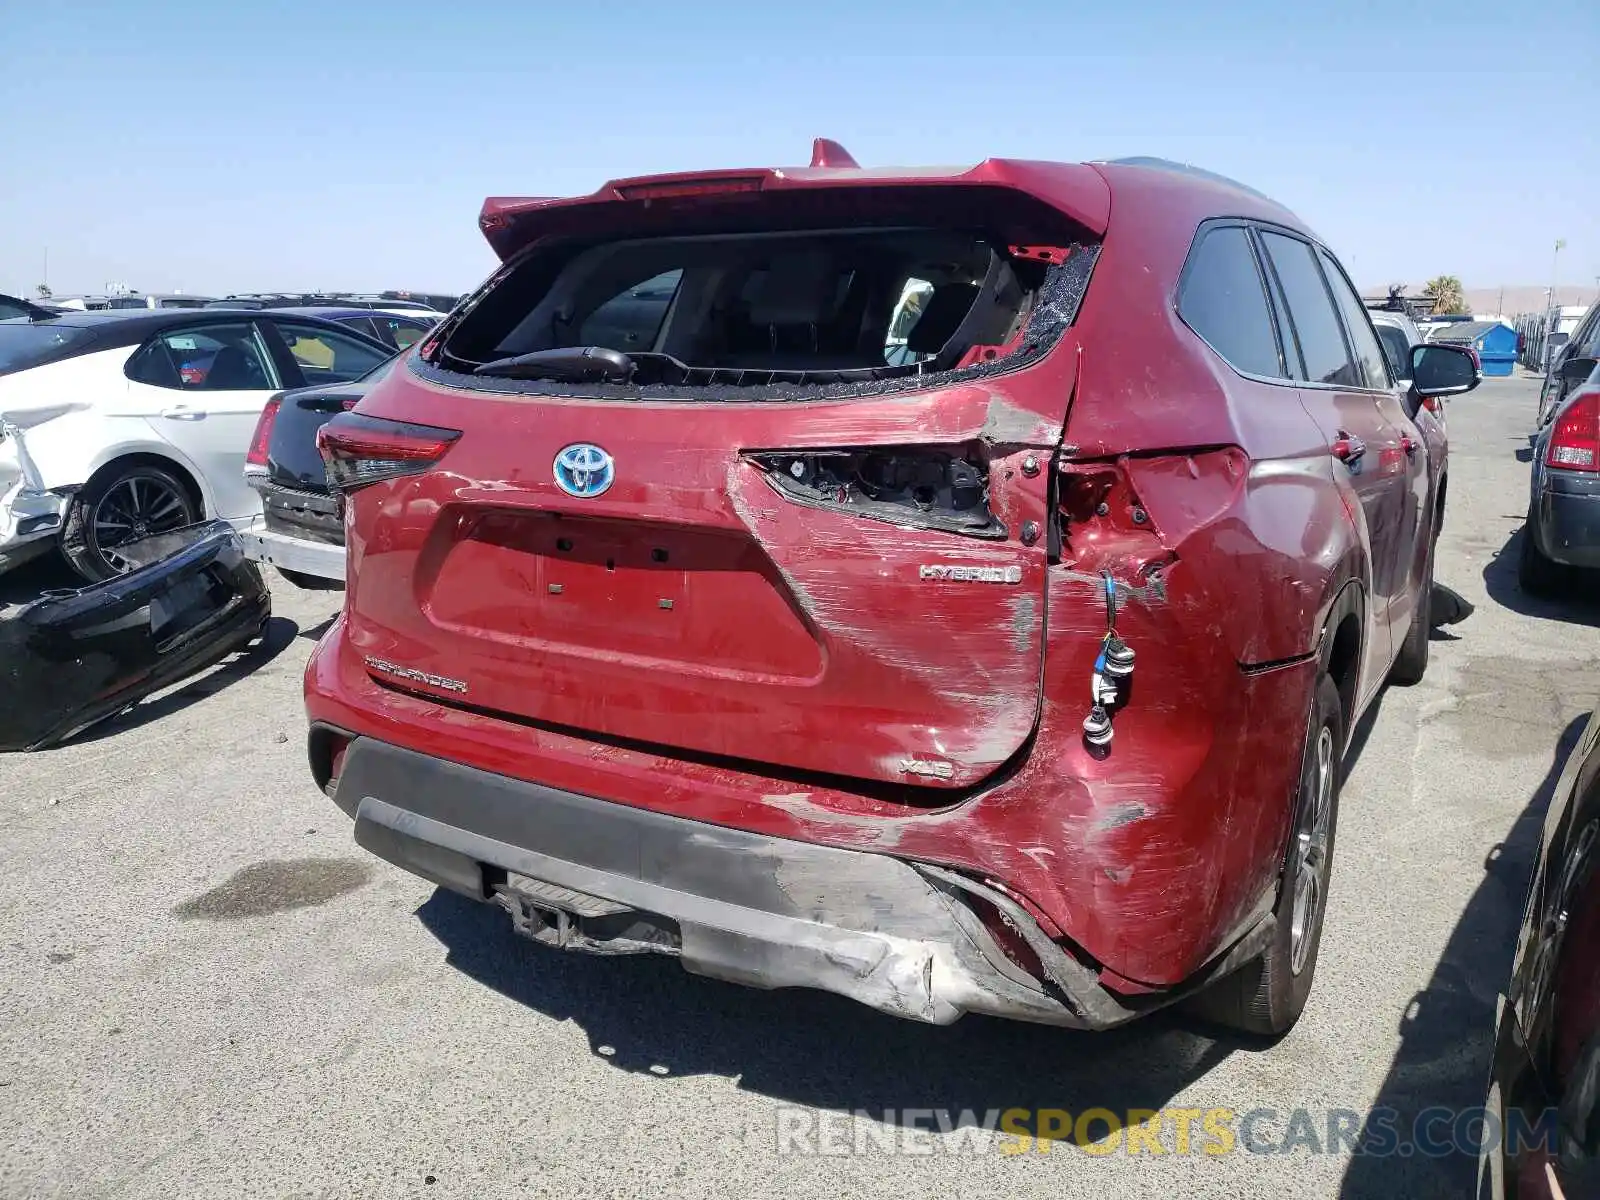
209,990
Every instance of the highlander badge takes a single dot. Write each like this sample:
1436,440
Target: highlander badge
438,681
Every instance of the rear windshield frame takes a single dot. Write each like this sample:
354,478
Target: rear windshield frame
1055,291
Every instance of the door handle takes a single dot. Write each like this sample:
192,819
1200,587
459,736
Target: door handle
1348,448
182,412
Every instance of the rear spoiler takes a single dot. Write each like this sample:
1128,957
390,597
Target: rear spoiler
509,223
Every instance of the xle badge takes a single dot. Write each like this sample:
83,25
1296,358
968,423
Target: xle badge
970,574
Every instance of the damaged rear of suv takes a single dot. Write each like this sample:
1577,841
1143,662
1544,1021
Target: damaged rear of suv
754,568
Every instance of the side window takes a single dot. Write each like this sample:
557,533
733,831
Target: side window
1221,299
328,357
1586,341
1357,324
210,358
630,320
403,333
364,325
1397,349
1311,313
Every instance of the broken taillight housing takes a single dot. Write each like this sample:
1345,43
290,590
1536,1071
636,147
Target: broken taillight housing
256,456
1575,437
919,486
361,450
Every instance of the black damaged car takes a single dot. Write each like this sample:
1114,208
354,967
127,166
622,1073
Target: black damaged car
1543,1135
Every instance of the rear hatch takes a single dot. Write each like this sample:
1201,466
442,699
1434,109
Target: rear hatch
761,498
293,460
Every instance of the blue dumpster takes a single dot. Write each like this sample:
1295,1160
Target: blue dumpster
1495,342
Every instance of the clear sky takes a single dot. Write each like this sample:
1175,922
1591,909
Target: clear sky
233,145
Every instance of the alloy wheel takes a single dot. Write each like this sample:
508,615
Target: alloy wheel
136,507
1311,851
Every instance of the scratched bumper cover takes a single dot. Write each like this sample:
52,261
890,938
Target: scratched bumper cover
591,875
75,657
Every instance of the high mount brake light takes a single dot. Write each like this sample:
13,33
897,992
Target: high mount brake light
1575,440
670,189
929,487
262,438
361,450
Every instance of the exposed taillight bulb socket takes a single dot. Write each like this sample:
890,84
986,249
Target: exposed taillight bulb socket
1116,658
1097,727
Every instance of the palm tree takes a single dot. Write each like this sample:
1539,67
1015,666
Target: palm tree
1447,295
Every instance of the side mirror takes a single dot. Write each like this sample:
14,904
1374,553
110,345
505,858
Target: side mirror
1577,368
1438,369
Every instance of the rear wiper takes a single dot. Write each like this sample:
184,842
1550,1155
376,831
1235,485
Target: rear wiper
580,364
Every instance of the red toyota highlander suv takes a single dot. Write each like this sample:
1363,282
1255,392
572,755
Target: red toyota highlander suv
951,588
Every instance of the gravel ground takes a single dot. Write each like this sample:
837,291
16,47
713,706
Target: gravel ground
208,989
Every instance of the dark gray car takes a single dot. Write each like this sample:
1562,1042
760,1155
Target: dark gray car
1563,526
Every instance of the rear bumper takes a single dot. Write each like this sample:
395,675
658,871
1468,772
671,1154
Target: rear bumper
80,656
586,874
1567,517
264,545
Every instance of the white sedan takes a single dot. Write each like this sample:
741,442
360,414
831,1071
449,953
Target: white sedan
118,425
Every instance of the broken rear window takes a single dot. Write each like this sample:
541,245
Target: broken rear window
751,313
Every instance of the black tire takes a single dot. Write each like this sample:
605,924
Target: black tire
122,503
1266,996
1536,574
1411,664
312,583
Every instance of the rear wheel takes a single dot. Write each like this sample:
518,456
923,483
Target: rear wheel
1266,996
122,504
1537,574
1411,664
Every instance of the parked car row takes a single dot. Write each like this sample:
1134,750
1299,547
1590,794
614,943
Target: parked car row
117,425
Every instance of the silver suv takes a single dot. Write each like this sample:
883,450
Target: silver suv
1398,333
1584,343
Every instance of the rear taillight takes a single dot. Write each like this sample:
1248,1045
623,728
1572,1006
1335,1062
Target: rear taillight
262,438
917,486
1575,435
361,450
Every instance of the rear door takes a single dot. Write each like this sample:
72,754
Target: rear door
1364,442
202,388
1421,442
